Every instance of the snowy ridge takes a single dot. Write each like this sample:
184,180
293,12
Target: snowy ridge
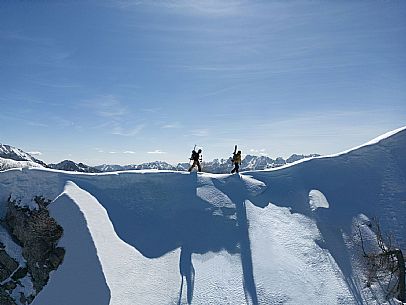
284,236
369,143
9,163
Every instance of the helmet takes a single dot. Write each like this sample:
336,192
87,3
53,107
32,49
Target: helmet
199,151
239,152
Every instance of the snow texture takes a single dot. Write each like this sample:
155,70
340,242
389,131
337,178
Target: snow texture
317,200
283,236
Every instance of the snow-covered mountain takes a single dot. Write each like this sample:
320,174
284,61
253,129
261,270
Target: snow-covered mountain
16,154
286,235
68,165
12,157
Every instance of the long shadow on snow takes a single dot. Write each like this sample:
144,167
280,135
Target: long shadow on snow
156,220
360,182
186,271
161,216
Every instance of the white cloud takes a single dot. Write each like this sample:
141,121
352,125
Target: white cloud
157,151
261,152
35,153
128,152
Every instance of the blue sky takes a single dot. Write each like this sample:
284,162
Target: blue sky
133,81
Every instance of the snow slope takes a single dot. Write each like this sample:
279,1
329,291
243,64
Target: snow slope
266,237
13,153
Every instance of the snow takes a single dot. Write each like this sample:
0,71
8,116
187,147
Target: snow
8,164
284,236
317,200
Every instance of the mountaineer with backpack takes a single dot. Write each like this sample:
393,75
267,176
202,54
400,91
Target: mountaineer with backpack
236,160
197,158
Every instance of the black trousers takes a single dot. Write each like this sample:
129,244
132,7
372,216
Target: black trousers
236,168
195,163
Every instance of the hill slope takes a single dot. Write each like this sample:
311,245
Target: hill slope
283,236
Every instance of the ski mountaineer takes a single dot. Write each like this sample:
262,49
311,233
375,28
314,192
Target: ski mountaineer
196,160
236,160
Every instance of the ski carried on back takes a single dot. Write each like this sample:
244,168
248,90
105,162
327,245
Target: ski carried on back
234,153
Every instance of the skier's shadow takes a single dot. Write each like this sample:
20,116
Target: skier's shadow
238,194
186,271
161,217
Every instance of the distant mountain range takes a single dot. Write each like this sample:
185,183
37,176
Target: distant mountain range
218,166
11,157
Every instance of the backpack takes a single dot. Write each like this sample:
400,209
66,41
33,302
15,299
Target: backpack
195,156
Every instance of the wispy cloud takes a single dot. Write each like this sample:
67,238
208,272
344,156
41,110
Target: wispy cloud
122,4
172,125
187,7
208,7
107,106
152,110
35,153
261,152
114,115
37,124
199,132
119,130
157,151
62,122
99,150
59,85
